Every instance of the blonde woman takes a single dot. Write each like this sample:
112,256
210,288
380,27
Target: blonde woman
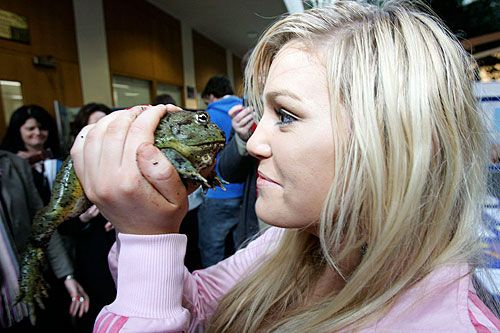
372,160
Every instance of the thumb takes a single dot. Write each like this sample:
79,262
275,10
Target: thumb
158,170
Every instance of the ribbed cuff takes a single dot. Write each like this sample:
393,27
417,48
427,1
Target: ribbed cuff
150,275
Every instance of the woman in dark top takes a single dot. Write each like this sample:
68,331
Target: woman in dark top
32,135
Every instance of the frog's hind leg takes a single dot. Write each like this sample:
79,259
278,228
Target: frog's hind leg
33,287
184,167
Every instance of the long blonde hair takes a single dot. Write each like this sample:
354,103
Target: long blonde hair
408,180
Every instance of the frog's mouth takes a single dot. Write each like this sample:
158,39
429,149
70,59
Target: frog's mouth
211,146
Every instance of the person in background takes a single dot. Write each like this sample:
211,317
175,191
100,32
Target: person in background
90,237
19,201
32,135
372,155
218,215
90,113
237,166
163,99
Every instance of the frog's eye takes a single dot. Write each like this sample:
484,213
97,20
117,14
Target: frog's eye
202,118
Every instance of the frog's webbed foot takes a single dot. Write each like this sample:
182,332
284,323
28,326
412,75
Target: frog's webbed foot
32,286
216,181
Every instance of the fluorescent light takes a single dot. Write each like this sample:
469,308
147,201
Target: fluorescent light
10,83
131,94
121,86
16,97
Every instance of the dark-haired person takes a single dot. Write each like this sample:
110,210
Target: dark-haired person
32,135
219,213
90,113
164,99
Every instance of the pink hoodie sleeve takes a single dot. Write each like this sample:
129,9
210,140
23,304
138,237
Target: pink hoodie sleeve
156,293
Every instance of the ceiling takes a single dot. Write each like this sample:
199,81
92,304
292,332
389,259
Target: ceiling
236,24
233,24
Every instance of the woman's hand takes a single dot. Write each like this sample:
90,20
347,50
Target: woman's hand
108,226
131,182
89,214
32,156
242,121
79,299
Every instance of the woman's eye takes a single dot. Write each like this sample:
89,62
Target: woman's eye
284,117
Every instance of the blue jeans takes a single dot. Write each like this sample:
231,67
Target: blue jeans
216,219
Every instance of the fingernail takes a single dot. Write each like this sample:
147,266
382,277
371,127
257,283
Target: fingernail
148,152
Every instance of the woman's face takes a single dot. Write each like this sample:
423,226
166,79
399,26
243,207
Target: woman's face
294,141
95,116
33,134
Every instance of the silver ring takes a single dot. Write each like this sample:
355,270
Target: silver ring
81,299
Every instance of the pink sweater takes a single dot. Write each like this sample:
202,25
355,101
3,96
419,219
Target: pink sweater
156,293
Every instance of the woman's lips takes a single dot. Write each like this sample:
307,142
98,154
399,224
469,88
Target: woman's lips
263,180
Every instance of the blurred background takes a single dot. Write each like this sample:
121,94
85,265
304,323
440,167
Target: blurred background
61,54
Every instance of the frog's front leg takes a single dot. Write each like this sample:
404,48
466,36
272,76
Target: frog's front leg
184,167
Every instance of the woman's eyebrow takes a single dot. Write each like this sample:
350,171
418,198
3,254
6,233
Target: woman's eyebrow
273,94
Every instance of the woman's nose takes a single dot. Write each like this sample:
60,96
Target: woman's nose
258,145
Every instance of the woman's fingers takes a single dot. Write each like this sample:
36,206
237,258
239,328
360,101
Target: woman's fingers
77,152
94,144
73,306
235,110
242,114
89,142
84,307
158,170
143,128
248,119
114,138
108,226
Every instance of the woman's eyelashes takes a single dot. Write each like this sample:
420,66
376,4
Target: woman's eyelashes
284,117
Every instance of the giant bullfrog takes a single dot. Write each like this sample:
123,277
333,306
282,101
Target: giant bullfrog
188,139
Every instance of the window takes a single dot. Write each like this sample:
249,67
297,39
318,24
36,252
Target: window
128,92
174,91
12,97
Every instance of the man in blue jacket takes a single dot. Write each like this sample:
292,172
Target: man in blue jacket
220,211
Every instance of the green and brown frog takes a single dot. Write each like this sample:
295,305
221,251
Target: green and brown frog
188,139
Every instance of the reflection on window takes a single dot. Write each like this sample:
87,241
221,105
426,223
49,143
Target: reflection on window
12,97
128,92
174,91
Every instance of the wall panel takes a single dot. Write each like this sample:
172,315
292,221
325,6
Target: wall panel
42,85
238,76
51,27
143,42
209,60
